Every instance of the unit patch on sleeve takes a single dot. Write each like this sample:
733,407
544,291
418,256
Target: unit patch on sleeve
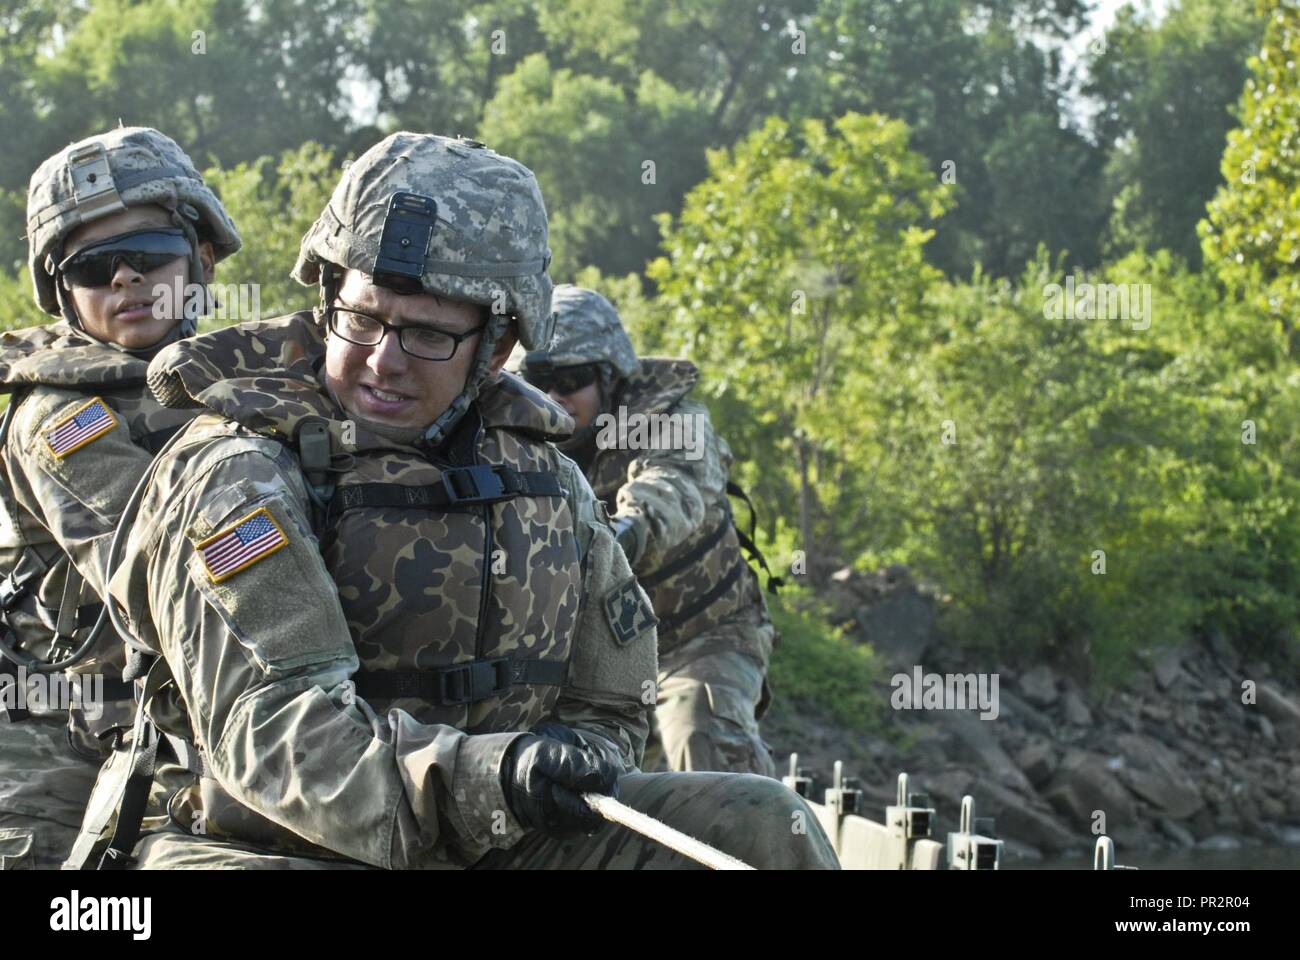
628,612
238,547
84,425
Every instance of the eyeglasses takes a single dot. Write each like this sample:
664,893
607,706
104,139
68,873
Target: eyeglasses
423,343
143,250
563,380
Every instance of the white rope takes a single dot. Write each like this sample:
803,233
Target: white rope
700,852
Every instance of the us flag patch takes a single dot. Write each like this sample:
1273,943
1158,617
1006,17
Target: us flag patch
236,548
88,422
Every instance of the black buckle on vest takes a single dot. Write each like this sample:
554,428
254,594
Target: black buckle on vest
474,681
14,587
477,484
11,591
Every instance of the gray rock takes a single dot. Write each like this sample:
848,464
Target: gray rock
1038,760
1256,670
1265,726
1180,835
1025,819
1038,686
1282,711
1154,774
1076,711
899,626
978,747
1015,850
1013,709
1168,667
950,785
1084,783
1219,645
1219,842
1289,835
1156,712
1201,825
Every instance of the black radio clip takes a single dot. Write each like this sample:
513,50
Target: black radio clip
404,242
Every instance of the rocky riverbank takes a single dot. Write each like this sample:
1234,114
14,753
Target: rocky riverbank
1174,759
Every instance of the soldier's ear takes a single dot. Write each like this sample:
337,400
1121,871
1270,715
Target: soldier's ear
209,260
502,349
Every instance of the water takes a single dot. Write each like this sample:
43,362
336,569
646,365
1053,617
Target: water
1247,858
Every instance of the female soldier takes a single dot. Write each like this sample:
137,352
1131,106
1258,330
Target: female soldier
117,224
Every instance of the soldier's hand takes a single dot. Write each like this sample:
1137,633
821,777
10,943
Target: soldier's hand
627,531
544,775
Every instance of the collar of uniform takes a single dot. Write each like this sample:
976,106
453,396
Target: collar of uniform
57,355
263,375
509,402
658,386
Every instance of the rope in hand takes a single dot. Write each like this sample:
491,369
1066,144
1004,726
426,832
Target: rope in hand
616,812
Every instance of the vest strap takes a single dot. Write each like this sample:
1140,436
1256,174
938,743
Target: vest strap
774,583
461,683
155,440
687,560
671,623
460,487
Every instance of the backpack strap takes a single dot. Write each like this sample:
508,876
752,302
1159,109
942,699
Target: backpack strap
774,583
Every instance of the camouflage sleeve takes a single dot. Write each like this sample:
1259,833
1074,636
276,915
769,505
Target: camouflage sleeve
668,491
75,479
612,672
223,575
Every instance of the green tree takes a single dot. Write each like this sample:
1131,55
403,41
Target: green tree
607,161
1167,87
274,201
1251,235
983,87
800,245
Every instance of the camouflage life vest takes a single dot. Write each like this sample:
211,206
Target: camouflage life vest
36,588
705,579
458,570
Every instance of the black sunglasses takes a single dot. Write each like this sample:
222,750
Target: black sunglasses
563,380
143,250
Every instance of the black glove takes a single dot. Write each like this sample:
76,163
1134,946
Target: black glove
544,775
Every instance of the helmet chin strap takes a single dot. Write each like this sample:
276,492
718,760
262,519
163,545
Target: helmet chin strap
439,430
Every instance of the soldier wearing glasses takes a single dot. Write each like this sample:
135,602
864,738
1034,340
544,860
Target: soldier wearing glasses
392,626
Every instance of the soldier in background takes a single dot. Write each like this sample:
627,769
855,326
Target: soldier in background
112,221
651,455
392,627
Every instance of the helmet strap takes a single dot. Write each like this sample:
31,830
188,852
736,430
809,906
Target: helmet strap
441,428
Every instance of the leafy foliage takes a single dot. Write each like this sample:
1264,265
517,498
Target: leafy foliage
1252,233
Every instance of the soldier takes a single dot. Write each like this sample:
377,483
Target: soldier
651,455
112,221
392,624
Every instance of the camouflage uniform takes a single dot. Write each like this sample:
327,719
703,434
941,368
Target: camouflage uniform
354,679
715,637
59,505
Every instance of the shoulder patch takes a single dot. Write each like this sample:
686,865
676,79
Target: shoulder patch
87,423
239,546
628,612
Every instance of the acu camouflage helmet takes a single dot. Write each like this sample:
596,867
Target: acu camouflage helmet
488,243
98,176
587,330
